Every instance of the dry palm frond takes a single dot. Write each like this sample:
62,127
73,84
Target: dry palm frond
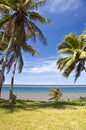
40,34
20,37
9,26
10,62
31,28
1,60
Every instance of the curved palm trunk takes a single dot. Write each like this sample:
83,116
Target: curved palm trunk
5,60
1,81
11,98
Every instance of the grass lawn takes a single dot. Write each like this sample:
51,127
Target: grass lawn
31,115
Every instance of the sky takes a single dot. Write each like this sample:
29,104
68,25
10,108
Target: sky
66,16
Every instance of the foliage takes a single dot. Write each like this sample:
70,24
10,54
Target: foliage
73,49
56,94
17,21
20,15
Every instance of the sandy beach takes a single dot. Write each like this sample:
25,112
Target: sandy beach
43,96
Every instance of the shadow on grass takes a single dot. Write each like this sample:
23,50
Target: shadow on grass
35,105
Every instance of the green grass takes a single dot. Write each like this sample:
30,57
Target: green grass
31,115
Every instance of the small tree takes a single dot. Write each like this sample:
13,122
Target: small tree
56,94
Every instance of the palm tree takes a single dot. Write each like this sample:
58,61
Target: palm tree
74,50
14,57
20,16
56,94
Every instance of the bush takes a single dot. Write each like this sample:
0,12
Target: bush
56,94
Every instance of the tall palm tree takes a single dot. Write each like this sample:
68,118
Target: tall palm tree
20,16
73,48
15,58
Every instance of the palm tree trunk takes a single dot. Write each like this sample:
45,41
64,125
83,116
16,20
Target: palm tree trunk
5,60
1,81
12,83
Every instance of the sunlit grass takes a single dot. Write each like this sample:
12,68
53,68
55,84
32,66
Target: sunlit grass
28,115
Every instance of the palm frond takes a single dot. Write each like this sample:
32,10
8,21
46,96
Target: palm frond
38,17
10,25
40,34
78,70
20,37
84,47
81,41
30,28
3,46
1,60
61,62
4,8
11,3
66,51
82,55
4,19
10,62
68,70
29,35
36,5
73,59
73,40
65,48
31,50
26,3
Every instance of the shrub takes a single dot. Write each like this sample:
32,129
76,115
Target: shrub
56,94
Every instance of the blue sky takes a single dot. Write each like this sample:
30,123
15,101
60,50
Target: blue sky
67,16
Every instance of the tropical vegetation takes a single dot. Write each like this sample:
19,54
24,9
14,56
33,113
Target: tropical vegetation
15,58
73,50
55,94
18,16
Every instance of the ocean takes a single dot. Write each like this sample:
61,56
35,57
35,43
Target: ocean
41,92
45,88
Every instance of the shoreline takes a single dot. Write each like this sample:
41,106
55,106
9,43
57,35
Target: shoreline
43,96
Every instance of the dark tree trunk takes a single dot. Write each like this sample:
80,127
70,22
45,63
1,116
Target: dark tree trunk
1,81
11,96
5,60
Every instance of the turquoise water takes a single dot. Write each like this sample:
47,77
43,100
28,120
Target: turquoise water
45,88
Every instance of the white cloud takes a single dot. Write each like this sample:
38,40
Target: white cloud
43,72
44,68
57,6
41,66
